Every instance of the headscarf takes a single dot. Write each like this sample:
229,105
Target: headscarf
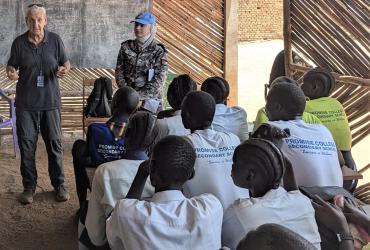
144,42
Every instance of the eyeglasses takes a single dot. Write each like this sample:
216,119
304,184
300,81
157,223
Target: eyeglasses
35,4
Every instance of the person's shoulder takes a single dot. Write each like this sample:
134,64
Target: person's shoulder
128,44
207,202
53,36
114,169
21,38
159,47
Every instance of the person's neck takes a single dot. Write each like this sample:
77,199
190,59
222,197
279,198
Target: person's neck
201,128
36,39
168,188
120,118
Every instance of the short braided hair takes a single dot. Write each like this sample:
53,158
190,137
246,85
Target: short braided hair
289,96
141,131
177,90
201,106
266,151
175,157
318,82
217,87
275,237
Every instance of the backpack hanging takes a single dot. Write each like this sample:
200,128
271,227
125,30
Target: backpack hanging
100,100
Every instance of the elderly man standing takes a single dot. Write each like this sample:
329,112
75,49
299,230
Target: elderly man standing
142,63
37,59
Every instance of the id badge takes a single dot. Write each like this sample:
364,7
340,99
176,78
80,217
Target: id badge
40,81
150,74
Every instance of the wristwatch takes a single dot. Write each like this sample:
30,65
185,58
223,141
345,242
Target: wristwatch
343,237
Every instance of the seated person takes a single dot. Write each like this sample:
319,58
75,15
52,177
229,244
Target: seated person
317,85
274,237
177,90
168,220
258,165
112,180
214,151
105,141
226,119
310,147
262,116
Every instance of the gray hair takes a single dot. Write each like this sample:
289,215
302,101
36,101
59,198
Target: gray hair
35,8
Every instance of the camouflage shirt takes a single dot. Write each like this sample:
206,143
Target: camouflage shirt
133,68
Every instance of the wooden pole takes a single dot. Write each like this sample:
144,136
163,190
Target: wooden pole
288,58
231,49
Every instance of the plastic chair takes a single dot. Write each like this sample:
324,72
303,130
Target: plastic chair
10,121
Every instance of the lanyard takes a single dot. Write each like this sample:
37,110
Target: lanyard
35,54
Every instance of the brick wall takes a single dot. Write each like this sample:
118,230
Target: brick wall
260,19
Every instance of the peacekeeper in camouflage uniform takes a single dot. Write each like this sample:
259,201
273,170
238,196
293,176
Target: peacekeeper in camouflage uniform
142,63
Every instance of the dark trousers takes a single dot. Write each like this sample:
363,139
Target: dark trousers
29,124
348,159
81,161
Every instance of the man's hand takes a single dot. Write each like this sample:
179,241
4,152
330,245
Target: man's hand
62,71
12,73
330,215
356,216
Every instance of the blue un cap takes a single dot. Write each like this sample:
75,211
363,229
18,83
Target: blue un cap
145,18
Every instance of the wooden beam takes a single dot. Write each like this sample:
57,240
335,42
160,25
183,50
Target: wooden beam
231,48
288,58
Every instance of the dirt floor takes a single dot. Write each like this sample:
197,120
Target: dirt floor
44,224
47,224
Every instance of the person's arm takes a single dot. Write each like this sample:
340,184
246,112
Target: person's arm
243,130
95,218
119,74
160,72
63,62
333,218
356,216
63,70
289,179
137,186
13,62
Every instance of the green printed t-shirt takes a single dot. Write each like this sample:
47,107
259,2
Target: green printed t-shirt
331,113
262,118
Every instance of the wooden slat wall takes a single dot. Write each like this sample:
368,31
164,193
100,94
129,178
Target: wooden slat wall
334,34
193,32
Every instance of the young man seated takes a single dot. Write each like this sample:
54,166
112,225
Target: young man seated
262,116
226,119
258,165
317,85
168,220
214,151
170,120
112,180
310,147
274,237
105,141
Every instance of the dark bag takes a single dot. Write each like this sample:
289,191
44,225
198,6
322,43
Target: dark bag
326,193
100,100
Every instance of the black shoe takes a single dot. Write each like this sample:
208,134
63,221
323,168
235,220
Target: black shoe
26,197
61,193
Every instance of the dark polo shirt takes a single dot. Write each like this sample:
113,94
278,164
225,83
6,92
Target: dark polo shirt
30,60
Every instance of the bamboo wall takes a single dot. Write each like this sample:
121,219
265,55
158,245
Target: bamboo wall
334,34
193,32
